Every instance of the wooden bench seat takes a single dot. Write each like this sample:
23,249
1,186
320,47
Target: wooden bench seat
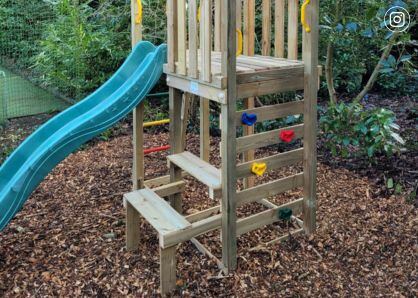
199,169
156,211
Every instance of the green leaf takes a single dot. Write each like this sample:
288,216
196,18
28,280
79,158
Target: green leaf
390,183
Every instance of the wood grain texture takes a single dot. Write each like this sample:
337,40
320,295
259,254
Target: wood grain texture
293,28
279,21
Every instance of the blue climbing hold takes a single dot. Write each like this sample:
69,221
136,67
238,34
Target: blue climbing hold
248,119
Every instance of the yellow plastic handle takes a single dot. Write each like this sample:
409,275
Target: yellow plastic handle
138,19
239,49
198,14
303,16
258,168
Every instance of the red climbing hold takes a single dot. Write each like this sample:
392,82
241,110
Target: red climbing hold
287,135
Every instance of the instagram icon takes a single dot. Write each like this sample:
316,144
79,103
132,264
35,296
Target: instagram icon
397,19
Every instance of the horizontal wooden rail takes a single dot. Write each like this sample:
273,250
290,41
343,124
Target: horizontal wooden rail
267,217
269,189
265,138
272,112
273,162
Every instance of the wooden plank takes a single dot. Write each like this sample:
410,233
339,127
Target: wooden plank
172,34
272,112
167,270
266,138
205,251
269,87
176,142
156,211
206,39
204,129
269,189
294,74
265,218
182,36
193,42
132,228
197,88
218,18
277,240
138,172
310,57
199,169
279,21
156,182
203,214
266,28
228,150
169,189
185,111
196,229
292,31
249,27
273,162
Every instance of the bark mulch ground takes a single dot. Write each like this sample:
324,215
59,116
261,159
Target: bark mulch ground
69,238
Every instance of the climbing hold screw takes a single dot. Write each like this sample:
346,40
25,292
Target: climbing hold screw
248,119
258,168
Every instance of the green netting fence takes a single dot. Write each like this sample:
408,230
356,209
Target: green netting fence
55,52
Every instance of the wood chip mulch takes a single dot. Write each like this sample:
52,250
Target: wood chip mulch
69,238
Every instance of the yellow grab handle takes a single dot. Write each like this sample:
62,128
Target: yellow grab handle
239,49
156,123
138,19
198,14
258,168
303,16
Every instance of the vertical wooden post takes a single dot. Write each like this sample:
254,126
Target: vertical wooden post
172,43
204,129
292,30
310,57
229,217
218,15
167,270
182,36
279,19
176,142
138,113
266,28
132,228
249,50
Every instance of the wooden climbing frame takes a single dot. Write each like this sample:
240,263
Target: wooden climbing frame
203,62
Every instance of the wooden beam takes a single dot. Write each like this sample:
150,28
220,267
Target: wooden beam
292,30
272,112
203,214
269,87
266,28
193,39
265,218
206,39
176,142
291,73
172,34
132,228
273,162
267,138
169,189
279,20
269,189
228,176
182,36
204,129
310,57
167,270
249,27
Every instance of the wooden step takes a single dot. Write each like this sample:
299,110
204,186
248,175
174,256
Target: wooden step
199,169
156,211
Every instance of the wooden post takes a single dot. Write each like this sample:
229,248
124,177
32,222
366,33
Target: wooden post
279,19
249,37
292,30
138,174
167,270
176,142
132,228
310,57
266,38
229,217
204,129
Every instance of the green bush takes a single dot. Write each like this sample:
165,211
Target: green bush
353,130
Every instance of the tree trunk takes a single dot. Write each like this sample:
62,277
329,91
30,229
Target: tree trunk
329,73
373,78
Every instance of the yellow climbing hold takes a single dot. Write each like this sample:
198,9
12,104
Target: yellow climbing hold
239,41
303,16
258,168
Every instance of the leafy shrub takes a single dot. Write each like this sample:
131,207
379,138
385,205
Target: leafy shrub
352,129
76,54
398,75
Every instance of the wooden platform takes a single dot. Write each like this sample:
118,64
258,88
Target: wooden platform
286,74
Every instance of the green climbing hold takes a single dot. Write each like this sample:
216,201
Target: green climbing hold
285,214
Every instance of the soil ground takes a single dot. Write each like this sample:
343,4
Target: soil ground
69,237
